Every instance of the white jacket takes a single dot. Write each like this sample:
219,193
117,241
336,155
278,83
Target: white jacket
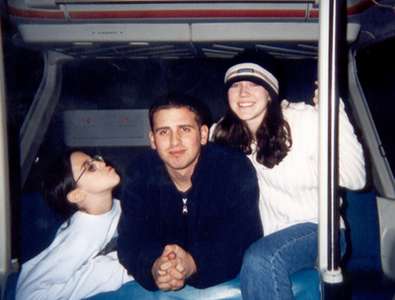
289,190
70,268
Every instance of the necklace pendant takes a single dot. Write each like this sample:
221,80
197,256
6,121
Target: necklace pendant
184,206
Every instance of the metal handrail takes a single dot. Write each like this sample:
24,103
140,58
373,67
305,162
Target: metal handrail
328,166
5,209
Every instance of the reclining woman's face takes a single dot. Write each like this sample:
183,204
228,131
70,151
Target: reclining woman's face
92,174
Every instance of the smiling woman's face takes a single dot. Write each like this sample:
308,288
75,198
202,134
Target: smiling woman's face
93,175
249,102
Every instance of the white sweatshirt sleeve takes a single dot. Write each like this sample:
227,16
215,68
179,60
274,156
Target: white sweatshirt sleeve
352,173
351,159
101,274
61,270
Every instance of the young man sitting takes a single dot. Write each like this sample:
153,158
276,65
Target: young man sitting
189,208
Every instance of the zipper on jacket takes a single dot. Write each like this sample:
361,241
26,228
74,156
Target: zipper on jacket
184,206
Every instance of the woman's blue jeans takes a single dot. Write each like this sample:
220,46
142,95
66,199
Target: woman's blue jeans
270,261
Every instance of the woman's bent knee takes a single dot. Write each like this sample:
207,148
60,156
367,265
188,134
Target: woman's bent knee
256,259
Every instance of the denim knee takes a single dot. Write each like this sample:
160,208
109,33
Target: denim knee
255,259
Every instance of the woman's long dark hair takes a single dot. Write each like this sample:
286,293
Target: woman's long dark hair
58,183
273,136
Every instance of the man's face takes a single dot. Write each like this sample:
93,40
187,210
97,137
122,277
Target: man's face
177,137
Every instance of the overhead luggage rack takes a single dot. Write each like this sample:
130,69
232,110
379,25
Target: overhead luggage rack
187,25
172,41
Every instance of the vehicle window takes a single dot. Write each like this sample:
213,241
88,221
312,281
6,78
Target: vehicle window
376,65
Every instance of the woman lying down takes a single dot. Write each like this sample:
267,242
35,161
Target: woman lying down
81,261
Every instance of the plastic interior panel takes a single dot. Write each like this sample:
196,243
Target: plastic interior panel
363,248
90,128
39,224
260,31
386,209
63,33
205,32
10,287
364,278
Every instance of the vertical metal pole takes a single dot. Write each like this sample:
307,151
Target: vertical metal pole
329,44
5,209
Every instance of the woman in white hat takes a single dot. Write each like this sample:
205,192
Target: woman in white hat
281,139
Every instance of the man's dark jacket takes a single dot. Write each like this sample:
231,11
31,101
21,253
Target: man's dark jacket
222,219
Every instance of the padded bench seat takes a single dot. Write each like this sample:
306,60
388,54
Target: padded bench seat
305,286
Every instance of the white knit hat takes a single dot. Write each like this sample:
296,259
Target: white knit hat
255,73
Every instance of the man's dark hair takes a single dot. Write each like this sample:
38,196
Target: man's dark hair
178,101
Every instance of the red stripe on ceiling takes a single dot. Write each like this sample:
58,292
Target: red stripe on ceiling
35,14
313,14
157,14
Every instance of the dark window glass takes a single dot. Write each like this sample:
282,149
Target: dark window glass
376,72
